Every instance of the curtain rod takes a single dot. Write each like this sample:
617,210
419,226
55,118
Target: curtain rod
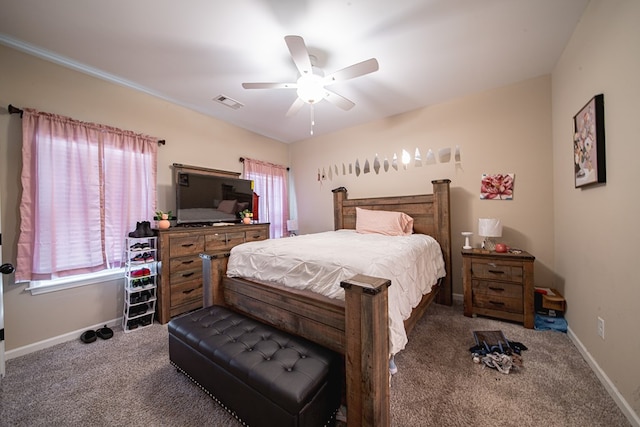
241,160
16,110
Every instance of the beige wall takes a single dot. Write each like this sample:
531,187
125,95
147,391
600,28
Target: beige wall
192,139
506,130
596,236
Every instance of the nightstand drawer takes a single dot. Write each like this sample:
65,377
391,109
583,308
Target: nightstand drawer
496,270
496,302
497,289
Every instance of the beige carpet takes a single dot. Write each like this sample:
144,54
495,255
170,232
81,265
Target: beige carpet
127,381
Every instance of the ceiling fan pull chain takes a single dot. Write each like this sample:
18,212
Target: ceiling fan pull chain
313,122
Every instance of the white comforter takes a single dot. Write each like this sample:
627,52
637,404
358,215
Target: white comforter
319,262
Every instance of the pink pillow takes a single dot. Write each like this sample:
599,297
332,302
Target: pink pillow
383,222
228,206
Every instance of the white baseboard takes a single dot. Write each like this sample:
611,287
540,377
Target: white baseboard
41,345
458,298
624,406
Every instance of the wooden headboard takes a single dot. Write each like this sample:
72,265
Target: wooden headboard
430,213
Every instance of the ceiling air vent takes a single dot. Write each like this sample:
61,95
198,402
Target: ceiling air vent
229,102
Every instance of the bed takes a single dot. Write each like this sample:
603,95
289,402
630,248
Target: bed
356,326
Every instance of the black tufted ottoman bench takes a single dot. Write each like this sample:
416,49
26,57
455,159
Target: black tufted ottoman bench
261,375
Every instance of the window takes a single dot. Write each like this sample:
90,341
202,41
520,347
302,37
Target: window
270,183
84,188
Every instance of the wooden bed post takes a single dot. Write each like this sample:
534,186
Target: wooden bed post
442,215
339,196
367,351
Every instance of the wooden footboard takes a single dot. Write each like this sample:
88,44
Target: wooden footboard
357,327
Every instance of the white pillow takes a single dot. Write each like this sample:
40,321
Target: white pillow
383,222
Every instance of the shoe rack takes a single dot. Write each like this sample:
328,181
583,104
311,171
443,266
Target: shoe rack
140,289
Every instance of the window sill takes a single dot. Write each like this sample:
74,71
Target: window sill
43,287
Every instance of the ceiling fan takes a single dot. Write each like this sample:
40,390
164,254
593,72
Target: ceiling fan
312,84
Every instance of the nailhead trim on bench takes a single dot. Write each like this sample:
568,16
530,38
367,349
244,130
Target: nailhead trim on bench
327,423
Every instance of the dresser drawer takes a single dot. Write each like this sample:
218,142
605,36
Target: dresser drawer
222,241
495,270
186,292
191,262
255,235
188,245
185,276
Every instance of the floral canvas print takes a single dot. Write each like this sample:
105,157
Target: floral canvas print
588,143
497,186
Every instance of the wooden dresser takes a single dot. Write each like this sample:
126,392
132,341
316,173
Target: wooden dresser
179,248
498,285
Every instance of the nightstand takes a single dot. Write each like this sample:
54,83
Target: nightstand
498,285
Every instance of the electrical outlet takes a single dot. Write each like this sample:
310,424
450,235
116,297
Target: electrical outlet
601,327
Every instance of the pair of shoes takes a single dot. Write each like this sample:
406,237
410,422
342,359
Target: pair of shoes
141,272
142,258
142,321
138,297
143,229
136,283
90,336
140,246
137,310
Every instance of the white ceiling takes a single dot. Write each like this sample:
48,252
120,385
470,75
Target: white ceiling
191,51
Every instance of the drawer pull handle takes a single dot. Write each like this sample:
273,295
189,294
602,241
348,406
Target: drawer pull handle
187,274
493,288
496,302
187,262
187,245
496,271
256,236
188,292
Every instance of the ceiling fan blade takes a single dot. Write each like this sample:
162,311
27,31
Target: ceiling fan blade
295,107
269,85
299,53
339,100
352,71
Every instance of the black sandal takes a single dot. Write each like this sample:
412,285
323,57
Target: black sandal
88,337
104,333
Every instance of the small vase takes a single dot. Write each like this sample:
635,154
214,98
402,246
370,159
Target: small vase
164,223
246,220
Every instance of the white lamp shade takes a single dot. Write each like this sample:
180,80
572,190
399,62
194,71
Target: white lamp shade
292,224
489,227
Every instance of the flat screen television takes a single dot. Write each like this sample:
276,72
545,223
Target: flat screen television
206,199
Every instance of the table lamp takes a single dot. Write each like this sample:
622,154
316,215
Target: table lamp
292,227
488,228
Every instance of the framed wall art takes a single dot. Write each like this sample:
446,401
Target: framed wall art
588,144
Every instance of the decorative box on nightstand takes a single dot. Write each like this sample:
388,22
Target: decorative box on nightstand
498,285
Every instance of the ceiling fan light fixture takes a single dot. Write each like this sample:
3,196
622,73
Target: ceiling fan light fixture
311,88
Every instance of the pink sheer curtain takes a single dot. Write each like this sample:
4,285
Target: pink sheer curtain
84,187
271,184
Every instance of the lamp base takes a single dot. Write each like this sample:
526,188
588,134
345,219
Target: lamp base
489,244
466,235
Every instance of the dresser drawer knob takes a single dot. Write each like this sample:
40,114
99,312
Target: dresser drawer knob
496,271
493,288
187,274
496,302
187,262
188,291
187,245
